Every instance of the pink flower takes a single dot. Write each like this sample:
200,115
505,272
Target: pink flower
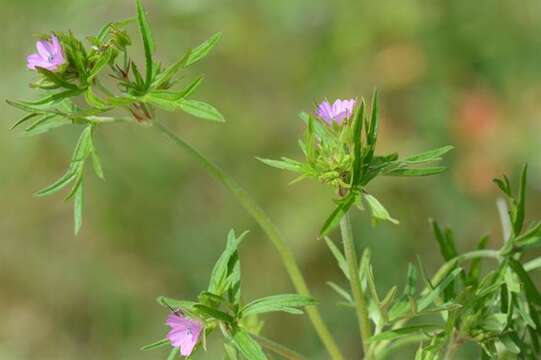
337,112
184,333
50,55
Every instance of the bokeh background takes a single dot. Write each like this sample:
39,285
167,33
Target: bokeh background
461,72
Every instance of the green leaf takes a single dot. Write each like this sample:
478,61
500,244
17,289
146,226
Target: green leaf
289,303
339,212
342,263
161,99
230,352
533,264
82,150
475,265
433,294
148,43
78,208
203,49
357,146
249,348
341,291
56,78
407,172
377,210
83,147
28,108
504,185
93,100
156,345
45,124
189,90
200,109
220,272
59,184
214,313
531,291
428,156
531,237
411,281
140,83
518,218
171,98
175,304
106,29
54,98
96,165
164,77
76,55
403,331
372,131
445,241
494,322
284,164
103,60
23,120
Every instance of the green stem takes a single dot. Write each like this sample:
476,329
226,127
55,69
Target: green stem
269,228
355,283
452,347
279,349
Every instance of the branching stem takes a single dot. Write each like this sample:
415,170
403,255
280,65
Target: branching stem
270,230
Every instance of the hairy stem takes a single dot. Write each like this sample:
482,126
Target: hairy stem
355,283
270,230
452,347
279,349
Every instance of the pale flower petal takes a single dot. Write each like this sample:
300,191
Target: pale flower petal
184,333
50,55
338,112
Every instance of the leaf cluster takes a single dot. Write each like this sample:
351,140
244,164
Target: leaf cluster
221,306
495,306
76,93
344,157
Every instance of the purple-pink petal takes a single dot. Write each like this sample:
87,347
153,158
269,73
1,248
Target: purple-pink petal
184,333
339,111
56,44
50,55
45,49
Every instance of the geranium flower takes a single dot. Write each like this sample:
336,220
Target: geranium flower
184,333
50,55
337,112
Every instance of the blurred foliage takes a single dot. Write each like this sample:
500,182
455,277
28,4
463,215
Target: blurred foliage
457,72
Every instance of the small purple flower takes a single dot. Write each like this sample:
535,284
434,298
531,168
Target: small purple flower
50,55
184,333
337,112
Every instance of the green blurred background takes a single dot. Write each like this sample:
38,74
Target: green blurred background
461,72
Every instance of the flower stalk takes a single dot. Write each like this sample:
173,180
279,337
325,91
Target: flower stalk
355,283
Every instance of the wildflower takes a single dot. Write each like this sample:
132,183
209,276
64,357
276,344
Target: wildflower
337,112
50,55
184,333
